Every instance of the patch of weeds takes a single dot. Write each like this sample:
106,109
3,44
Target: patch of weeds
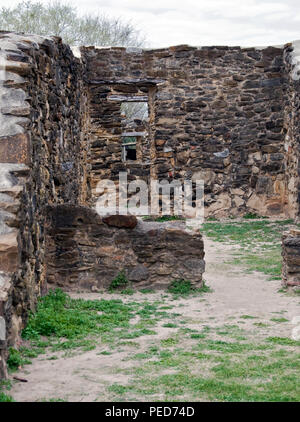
129,343
252,216
128,291
30,353
53,400
146,291
5,384
197,335
248,317
171,341
164,218
144,323
204,289
147,310
4,398
180,287
137,333
184,288
284,341
16,360
119,389
170,325
231,330
268,263
229,347
119,281
206,329
260,242
74,323
279,320
280,353
282,290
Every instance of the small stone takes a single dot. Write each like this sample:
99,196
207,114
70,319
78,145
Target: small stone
126,221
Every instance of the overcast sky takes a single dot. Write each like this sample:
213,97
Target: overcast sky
203,22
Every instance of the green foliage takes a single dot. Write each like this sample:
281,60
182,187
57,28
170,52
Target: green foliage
279,320
129,291
252,216
146,291
181,287
163,218
60,316
247,317
61,19
15,359
5,385
284,341
260,242
185,288
119,281
5,398
170,325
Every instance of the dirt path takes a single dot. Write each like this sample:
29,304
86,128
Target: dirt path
85,376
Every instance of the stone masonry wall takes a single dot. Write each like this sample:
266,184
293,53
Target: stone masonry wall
228,115
216,113
292,127
87,252
41,155
291,259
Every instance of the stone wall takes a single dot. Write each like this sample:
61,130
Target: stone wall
228,115
216,113
292,128
42,152
86,252
291,259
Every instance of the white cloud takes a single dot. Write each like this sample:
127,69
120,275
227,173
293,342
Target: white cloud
203,22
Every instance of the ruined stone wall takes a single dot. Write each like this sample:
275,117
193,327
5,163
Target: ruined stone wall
217,113
86,252
42,157
292,128
223,114
291,259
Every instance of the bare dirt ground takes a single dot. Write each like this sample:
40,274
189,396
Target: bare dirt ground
86,376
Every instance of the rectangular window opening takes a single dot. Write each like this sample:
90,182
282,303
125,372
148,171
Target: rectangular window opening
129,148
134,113
135,128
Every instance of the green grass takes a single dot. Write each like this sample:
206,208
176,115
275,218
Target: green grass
284,341
62,323
214,370
5,385
59,316
129,291
248,317
252,216
146,291
5,398
279,320
185,288
163,218
260,242
16,359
